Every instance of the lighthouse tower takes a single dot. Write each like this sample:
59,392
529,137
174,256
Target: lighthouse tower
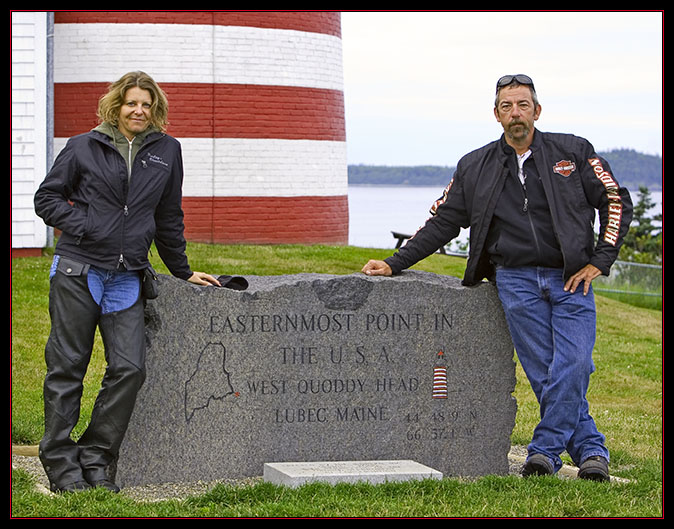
255,99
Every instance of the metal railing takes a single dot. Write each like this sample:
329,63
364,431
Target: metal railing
632,279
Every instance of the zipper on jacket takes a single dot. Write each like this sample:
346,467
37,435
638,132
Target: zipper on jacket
146,144
121,262
128,163
525,209
121,255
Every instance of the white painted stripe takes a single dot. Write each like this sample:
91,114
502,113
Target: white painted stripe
261,167
187,53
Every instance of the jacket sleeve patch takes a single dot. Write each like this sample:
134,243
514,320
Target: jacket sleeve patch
442,199
615,206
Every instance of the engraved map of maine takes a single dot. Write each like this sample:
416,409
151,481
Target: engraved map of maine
210,380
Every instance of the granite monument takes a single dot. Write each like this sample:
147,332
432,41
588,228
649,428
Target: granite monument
314,367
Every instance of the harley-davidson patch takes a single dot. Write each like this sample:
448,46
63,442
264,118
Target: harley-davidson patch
564,167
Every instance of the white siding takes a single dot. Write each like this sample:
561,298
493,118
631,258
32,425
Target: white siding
29,125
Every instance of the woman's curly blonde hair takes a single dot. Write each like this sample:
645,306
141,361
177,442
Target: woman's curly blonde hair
109,105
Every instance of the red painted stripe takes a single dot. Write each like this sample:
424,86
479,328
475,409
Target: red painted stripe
219,111
326,22
75,107
267,220
26,252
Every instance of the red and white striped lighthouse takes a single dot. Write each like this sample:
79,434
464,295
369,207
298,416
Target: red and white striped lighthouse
255,98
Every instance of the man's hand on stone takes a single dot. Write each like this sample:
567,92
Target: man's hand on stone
377,268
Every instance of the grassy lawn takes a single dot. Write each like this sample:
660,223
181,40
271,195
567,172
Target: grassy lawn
625,398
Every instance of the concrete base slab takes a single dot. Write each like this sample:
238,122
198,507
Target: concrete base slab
295,474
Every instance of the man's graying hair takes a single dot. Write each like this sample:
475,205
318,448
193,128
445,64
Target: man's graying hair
534,96
109,105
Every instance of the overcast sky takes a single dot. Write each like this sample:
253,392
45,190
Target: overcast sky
419,86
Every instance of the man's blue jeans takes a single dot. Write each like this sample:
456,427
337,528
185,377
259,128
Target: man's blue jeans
553,332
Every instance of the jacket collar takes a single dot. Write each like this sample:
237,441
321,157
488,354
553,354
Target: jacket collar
116,136
507,150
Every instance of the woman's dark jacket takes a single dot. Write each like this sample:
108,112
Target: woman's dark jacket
108,216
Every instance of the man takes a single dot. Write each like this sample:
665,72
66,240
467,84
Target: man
111,192
529,199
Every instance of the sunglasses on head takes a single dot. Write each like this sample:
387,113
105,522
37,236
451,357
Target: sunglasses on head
510,79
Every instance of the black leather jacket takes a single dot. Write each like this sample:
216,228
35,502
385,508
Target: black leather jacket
576,183
108,219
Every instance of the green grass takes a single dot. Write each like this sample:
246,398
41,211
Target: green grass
625,397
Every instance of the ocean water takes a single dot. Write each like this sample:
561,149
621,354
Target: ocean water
376,211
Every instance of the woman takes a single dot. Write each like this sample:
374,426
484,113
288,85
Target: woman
111,193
